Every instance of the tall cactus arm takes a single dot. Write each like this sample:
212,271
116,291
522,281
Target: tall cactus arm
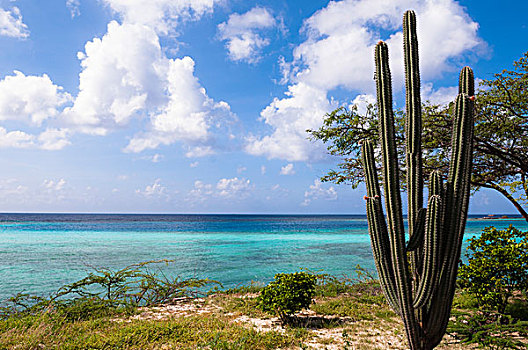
457,197
413,126
466,82
381,249
436,187
433,232
388,142
416,240
459,172
378,228
392,194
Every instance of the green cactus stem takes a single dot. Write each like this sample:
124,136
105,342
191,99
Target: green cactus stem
419,287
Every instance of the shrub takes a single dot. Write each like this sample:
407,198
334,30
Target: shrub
497,266
287,294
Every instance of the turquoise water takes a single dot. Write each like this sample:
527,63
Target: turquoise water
41,252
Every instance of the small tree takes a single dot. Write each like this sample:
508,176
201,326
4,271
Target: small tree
497,266
287,294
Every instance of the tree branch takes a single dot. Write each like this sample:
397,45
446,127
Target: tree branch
507,195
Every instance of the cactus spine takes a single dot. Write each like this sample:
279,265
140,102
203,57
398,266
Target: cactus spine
420,287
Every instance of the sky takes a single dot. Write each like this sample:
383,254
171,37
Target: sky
202,106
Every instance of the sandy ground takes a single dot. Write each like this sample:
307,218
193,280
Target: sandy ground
349,335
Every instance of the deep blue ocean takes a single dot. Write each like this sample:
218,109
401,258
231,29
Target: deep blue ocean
41,252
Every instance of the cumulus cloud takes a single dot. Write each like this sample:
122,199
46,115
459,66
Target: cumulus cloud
49,139
53,139
11,24
243,42
303,108
162,15
441,96
287,169
33,101
156,190
234,187
241,169
338,53
188,115
156,158
119,77
200,192
30,99
11,189
73,6
199,151
15,139
52,185
126,75
316,191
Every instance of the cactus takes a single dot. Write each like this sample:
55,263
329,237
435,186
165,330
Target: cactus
418,278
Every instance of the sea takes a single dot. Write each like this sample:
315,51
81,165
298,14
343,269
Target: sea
39,253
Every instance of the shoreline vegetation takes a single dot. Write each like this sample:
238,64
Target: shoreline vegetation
138,307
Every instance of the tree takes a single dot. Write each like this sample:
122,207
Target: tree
497,266
500,160
287,294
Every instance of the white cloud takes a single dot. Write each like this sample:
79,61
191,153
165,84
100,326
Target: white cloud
362,101
53,139
199,151
263,169
30,99
194,164
240,33
119,77
73,6
126,78
156,158
188,116
440,96
234,187
49,139
303,108
52,185
162,15
15,139
11,24
341,38
241,169
338,53
316,191
200,192
287,169
11,189
126,75
156,190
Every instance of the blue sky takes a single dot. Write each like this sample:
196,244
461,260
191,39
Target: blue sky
201,106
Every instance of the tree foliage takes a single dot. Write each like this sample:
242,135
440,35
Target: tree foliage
287,294
497,266
500,159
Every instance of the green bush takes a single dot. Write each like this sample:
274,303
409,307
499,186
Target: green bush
287,294
497,267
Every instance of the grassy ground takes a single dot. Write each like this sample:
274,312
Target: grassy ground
344,316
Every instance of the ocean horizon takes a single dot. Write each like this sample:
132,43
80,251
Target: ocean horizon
40,252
